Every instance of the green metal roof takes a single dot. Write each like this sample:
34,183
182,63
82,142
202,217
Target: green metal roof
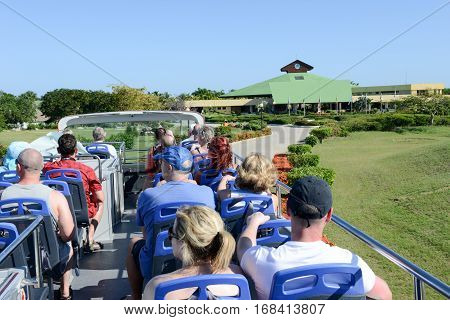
298,88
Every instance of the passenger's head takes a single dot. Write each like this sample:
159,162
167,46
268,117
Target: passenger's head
205,135
67,145
219,151
13,151
159,133
99,134
256,173
199,236
29,163
176,163
167,139
310,203
194,130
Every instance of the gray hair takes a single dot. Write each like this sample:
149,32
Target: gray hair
205,134
31,160
99,134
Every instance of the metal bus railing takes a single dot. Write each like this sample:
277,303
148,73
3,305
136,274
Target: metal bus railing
419,275
32,228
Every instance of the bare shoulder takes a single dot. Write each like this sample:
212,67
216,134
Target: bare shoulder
235,269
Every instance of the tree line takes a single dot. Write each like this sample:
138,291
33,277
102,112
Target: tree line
59,103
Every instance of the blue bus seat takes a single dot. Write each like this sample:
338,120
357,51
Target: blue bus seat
157,178
231,185
8,233
211,178
164,217
73,178
234,210
202,282
63,187
274,232
23,206
9,176
188,144
4,185
201,165
318,282
99,149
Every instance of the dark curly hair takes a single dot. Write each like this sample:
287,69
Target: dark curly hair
219,151
67,144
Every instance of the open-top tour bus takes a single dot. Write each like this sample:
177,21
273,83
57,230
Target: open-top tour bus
25,239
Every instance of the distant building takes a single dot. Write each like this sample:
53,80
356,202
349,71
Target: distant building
395,92
295,89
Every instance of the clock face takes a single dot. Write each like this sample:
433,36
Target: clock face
297,66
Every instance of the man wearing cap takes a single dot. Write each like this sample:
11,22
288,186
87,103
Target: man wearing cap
310,208
176,166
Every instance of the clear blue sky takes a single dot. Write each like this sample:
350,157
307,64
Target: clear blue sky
179,45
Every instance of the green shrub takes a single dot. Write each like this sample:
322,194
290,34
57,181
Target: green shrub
304,122
422,120
255,125
83,139
442,121
326,174
222,131
321,133
299,148
128,138
303,160
280,121
2,150
311,140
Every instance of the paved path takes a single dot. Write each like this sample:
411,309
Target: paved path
282,136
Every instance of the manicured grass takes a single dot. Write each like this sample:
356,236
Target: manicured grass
395,187
8,136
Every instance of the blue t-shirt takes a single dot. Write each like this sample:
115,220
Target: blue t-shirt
151,198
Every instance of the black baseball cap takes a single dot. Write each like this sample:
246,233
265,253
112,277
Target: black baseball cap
310,191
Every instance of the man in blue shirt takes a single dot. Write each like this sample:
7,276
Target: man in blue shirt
176,166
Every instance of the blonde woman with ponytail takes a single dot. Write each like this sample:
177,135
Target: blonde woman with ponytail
204,247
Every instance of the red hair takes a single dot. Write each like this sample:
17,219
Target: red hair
219,151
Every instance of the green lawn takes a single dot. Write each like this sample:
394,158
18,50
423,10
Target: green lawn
395,187
8,136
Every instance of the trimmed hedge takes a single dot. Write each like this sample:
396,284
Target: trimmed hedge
255,125
311,140
326,174
222,131
2,150
303,160
321,133
299,148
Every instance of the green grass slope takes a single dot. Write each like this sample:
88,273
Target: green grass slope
396,188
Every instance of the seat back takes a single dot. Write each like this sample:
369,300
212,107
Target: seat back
4,185
273,233
201,165
188,144
211,178
99,149
9,176
63,187
234,210
23,206
73,178
8,233
320,281
164,217
202,283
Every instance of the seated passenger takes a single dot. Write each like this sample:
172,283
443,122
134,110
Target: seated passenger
29,166
164,139
99,136
310,207
204,137
176,166
67,148
219,151
192,133
13,151
256,175
201,242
